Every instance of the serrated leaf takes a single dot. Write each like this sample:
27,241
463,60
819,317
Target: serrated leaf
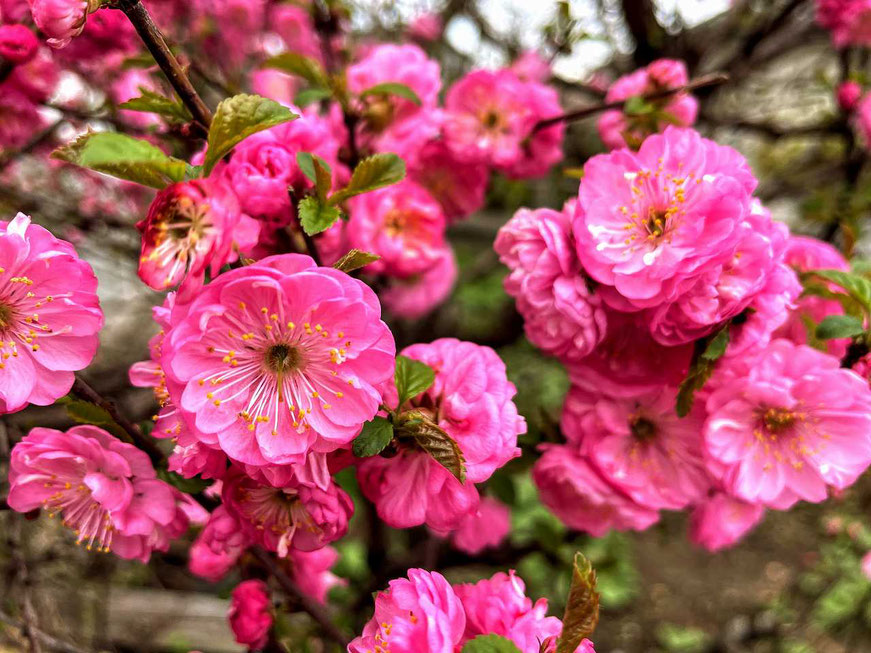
839,326
300,66
375,436
412,377
418,427
239,117
316,217
392,88
318,172
371,173
490,644
151,102
705,356
582,607
123,157
309,96
354,260
858,287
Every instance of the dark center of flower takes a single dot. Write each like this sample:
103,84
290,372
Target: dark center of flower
778,419
491,119
643,429
6,316
656,222
283,358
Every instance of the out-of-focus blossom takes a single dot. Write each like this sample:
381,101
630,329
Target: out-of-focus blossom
459,186
18,44
849,21
720,521
411,298
426,27
483,529
530,66
311,571
849,94
249,615
218,547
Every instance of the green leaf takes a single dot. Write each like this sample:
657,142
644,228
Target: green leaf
418,427
151,102
374,437
371,173
839,326
490,644
309,96
318,171
705,356
236,119
637,106
123,157
296,64
412,377
858,287
316,217
187,485
582,606
392,88
84,412
354,260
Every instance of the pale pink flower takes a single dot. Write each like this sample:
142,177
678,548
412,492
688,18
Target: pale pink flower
311,571
414,297
530,66
866,565
61,20
403,224
192,227
720,521
105,490
420,614
18,44
49,315
129,85
426,27
561,315
294,25
848,95
583,500
277,359
848,20
484,529
785,424
459,186
250,613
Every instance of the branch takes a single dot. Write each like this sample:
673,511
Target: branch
50,641
641,21
156,44
22,576
755,39
714,79
309,605
38,139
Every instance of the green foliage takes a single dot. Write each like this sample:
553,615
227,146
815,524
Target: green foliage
392,88
705,356
316,217
239,117
151,102
309,96
856,286
490,644
84,412
354,260
187,485
411,378
318,172
681,639
371,173
839,326
582,606
374,437
299,66
419,429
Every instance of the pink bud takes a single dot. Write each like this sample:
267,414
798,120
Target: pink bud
849,94
17,43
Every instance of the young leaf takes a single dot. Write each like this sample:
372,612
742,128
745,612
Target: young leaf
296,64
84,412
236,119
858,287
419,428
839,326
309,96
392,88
124,157
637,106
490,644
316,217
582,607
318,171
151,102
705,356
371,173
375,436
354,260
412,377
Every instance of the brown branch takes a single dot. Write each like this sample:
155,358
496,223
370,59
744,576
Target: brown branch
641,21
714,79
38,139
29,623
309,605
156,44
50,641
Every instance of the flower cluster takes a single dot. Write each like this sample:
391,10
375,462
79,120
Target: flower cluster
849,21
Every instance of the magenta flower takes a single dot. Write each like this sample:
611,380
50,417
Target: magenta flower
311,571
484,529
277,359
426,27
531,66
848,20
49,315
459,186
250,613
105,490
583,500
18,44
61,20
848,95
415,615
786,424
417,296
218,547
192,227
294,25
720,521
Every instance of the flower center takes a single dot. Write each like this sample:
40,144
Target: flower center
643,429
778,420
282,358
7,316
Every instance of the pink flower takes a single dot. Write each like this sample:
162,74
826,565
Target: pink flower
61,20
297,515
294,25
275,84
499,606
618,129
484,529
583,500
402,224
866,565
562,316
530,66
654,224
849,94
191,228
278,358
218,547
18,44
491,116
250,613
20,118
785,424
848,20
640,445
459,186
49,315
105,490
311,571
414,297
720,521
127,86
412,616
426,27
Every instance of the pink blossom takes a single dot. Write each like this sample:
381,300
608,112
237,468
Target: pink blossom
459,186
426,27
484,529
36,79
218,547
105,490
562,316
191,228
866,565
275,84
785,424
414,297
61,20
18,44
278,358
618,129
294,25
720,521
530,66
250,613
49,315
849,94
848,20
19,118
422,613
311,571
129,85
403,224
107,39
583,500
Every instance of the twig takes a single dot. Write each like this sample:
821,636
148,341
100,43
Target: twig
50,641
38,139
156,44
314,610
714,79
29,624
